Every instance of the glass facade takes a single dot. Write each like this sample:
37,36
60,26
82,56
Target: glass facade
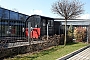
12,23
8,14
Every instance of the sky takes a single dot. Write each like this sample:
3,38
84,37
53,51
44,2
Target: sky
39,7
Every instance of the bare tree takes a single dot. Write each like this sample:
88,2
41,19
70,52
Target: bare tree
68,10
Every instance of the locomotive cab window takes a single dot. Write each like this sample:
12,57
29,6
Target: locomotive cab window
50,22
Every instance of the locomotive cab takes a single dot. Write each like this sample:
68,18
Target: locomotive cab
39,25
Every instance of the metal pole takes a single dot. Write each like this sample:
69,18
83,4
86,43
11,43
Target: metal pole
59,29
65,32
87,34
29,30
32,33
47,31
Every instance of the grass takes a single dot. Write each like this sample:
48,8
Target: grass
51,53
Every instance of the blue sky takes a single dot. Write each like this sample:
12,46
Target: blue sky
40,7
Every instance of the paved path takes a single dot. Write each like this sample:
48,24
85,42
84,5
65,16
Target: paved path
84,55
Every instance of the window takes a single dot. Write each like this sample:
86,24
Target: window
3,30
1,12
50,22
4,13
35,21
44,22
22,17
13,15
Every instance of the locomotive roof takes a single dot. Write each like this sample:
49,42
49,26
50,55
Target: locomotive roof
41,17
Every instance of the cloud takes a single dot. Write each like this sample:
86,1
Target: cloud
85,16
37,12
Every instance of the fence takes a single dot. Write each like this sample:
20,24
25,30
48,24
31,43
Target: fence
22,47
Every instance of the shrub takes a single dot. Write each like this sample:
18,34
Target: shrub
79,33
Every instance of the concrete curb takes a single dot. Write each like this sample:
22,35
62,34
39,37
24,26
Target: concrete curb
73,53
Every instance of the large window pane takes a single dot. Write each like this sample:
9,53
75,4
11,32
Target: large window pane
13,15
22,17
4,13
3,28
44,22
1,12
50,22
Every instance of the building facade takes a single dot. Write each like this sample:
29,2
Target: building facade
11,23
